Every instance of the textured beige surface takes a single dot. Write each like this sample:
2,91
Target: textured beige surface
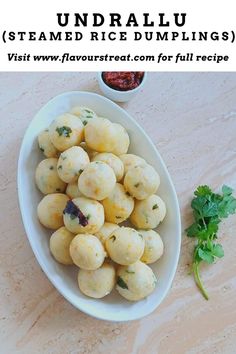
191,118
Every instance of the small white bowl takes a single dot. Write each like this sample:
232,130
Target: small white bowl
116,95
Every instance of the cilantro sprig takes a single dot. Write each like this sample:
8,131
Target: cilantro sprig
209,209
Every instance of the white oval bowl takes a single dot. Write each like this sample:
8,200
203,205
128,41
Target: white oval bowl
113,307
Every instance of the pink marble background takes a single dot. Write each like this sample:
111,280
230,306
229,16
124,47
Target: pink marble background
191,117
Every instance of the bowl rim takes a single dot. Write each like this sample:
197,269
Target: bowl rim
118,92
23,213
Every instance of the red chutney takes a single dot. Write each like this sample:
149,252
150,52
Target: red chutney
123,80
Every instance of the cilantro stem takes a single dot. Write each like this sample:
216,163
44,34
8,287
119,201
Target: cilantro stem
198,280
203,220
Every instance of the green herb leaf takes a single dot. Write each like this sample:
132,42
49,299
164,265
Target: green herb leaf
121,283
130,271
192,231
202,191
205,255
64,131
218,251
73,217
209,209
155,206
227,190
